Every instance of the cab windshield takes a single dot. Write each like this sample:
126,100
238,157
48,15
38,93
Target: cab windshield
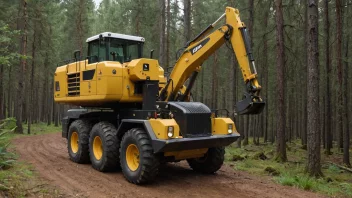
114,49
124,50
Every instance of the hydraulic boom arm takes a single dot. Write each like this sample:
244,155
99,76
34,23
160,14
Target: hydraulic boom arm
202,47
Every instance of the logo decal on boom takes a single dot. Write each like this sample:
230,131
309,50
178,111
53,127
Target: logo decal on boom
199,46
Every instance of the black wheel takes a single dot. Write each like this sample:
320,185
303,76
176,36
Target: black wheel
138,162
210,163
104,147
78,140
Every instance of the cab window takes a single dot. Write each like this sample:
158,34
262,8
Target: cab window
124,50
96,52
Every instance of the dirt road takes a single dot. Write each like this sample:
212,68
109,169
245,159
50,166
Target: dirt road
48,154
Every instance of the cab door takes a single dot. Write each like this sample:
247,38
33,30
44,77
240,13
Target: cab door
89,70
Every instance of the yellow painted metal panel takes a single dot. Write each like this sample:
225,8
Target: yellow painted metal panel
160,128
220,126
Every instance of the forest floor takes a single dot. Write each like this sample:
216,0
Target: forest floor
44,170
260,160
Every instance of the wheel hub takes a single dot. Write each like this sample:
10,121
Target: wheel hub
132,157
74,142
97,148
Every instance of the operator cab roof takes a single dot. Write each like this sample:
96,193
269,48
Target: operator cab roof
116,35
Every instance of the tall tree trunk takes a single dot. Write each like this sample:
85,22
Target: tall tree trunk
339,72
215,92
266,73
9,93
22,69
281,117
346,130
251,20
162,33
2,115
30,85
304,82
187,20
313,129
168,26
328,80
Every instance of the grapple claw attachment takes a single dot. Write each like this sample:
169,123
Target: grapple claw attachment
250,105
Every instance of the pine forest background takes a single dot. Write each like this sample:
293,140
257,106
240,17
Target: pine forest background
35,35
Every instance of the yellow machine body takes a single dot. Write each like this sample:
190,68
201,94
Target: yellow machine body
97,84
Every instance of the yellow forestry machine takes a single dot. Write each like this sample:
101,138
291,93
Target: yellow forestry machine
133,117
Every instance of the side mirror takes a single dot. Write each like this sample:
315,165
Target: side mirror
77,55
151,54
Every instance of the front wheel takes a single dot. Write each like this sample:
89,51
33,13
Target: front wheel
78,139
138,162
104,147
210,162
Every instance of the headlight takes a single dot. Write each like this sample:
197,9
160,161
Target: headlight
170,131
229,130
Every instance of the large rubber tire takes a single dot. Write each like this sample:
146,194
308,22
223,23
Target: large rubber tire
148,164
105,157
78,140
210,163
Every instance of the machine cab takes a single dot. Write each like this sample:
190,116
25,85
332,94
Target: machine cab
109,46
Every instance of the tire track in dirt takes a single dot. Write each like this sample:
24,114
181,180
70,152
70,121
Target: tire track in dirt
48,154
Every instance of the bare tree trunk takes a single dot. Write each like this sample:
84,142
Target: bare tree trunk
137,21
346,130
215,94
22,69
9,93
251,20
304,80
168,18
339,72
266,74
281,117
30,86
162,33
245,130
187,20
328,81
313,129
2,115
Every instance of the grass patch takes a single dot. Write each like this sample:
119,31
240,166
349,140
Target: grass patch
335,182
41,128
18,179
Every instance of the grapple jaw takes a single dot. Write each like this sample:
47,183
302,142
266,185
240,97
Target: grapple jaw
251,104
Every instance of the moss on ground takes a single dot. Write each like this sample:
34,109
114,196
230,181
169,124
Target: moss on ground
336,182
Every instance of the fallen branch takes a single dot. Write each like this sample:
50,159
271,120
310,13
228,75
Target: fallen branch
342,167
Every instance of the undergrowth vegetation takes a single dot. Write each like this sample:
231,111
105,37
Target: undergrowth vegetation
6,158
17,179
260,160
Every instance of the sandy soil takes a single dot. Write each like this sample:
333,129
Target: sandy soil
48,154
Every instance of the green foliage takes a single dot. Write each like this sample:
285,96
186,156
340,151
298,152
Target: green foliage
14,176
6,158
7,36
12,180
8,123
333,168
301,181
292,173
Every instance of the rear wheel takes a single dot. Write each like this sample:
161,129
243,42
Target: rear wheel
138,162
104,147
78,140
210,163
